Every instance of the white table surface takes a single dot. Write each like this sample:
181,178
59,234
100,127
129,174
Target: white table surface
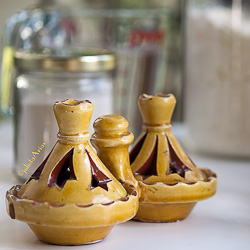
221,222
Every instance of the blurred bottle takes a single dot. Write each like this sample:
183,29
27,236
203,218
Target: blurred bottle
144,34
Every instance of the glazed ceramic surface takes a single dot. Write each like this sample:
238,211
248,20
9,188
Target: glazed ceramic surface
111,140
170,183
72,198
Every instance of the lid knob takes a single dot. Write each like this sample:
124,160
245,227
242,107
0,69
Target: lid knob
70,116
157,110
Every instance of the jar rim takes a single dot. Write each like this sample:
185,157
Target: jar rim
73,60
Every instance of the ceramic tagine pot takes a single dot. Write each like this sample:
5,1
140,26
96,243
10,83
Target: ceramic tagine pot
111,141
170,183
72,198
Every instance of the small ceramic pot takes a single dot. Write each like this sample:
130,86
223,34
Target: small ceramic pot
72,198
170,183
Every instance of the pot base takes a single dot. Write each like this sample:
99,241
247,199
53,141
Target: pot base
70,236
153,212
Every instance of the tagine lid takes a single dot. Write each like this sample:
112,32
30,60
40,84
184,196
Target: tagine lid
157,159
72,179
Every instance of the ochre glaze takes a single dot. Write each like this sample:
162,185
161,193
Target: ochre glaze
167,177
72,198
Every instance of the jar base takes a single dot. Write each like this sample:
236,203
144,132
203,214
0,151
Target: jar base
153,212
70,236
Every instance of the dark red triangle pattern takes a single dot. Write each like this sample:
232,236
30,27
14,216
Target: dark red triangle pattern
38,171
99,179
175,164
150,166
136,149
63,171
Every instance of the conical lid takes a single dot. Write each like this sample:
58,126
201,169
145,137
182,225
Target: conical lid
72,172
157,156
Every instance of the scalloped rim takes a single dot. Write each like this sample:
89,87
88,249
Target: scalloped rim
72,102
178,193
92,215
148,97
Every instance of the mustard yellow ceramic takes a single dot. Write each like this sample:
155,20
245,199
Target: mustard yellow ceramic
111,141
170,183
72,198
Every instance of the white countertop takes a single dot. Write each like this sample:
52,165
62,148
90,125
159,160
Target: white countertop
221,222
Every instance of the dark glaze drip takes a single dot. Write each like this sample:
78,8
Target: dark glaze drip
171,184
87,101
56,205
14,198
90,205
99,179
38,171
150,166
107,204
13,191
134,193
136,149
63,171
175,164
12,211
78,102
125,198
208,174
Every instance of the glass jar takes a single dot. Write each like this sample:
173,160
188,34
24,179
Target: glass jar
144,34
217,82
43,79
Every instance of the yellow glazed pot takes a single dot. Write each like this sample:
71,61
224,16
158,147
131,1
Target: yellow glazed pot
170,183
72,198
111,141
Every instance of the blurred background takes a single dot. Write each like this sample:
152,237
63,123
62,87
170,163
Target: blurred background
111,52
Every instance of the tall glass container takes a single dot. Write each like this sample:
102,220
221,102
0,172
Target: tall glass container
143,34
217,82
